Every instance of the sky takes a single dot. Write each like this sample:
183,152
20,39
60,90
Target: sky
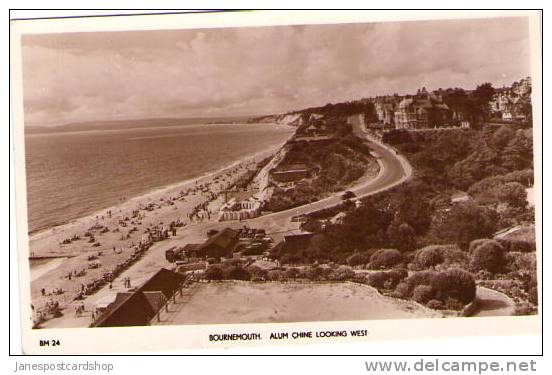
78,77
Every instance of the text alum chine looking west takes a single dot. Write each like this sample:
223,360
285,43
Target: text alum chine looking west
288,335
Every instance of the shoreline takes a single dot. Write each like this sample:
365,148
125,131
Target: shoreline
151,194
124,227
147,196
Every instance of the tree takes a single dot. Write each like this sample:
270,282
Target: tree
478,165
501,137
370,115
512,193
483,94
465,222
401,236
518,154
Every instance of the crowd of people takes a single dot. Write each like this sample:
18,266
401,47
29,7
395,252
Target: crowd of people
100,272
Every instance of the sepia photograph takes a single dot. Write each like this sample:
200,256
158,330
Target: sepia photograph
278,173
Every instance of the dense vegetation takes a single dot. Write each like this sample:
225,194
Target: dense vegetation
334,165
420,225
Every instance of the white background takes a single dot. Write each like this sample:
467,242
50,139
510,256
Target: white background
242,365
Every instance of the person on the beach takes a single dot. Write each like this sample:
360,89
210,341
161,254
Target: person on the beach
43,291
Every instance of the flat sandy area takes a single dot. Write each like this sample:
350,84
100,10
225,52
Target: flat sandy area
273,302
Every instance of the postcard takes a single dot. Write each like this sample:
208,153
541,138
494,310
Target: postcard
271,178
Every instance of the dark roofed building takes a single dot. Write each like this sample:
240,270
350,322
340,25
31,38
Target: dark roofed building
221,244
139,308
164,281
297,241
129,309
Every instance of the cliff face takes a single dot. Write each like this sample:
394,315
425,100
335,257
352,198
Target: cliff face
292,119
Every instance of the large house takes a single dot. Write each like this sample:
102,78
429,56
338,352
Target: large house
422,111
511,103
385,112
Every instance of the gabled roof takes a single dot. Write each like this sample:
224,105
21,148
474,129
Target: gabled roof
156,299
222,239
164,281
129,309
139,307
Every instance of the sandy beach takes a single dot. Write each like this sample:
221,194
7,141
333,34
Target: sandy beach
111,237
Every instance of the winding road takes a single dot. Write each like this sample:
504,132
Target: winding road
394,170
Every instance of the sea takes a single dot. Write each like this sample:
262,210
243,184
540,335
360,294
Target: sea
72,174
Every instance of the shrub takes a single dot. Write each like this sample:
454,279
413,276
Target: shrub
454,257
385,258
276,275
435,304
475,244
428,256
419,278
422,293
214,273
315,273
292,273
386,279
358,259
453,304
525,309
257,273
403,290
488,256
533,295
237,273
341,274
514,262
517,245
483,275
454,283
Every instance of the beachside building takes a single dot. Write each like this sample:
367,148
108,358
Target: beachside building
290,172
139,307
240,210
293,241
221,244
422,111
297,240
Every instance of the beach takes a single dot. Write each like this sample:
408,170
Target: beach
85,249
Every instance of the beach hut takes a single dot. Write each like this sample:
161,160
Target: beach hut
128,309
